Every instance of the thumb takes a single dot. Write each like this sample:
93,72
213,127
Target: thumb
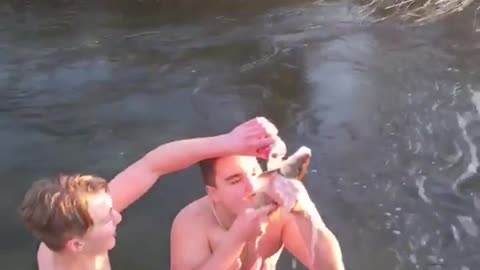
265,142
258,264
257,243
248,210
237,264
267,209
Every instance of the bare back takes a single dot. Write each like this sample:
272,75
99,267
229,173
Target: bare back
200,215
46,261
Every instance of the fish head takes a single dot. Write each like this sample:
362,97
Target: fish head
294,168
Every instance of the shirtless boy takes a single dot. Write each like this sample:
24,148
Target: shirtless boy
223,231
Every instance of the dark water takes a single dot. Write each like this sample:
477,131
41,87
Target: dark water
391,113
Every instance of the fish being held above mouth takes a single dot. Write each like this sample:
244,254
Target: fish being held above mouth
283,186
294,168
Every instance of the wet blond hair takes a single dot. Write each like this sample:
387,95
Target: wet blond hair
56,210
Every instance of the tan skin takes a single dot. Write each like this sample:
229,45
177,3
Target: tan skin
90,251
208,236
226,236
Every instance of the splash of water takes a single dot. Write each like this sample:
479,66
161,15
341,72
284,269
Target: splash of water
475,98
468,225
421,189
473,165
462,122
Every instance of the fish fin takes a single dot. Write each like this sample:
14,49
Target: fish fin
296,165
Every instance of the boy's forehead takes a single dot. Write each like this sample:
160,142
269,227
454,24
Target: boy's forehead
226,164
99,204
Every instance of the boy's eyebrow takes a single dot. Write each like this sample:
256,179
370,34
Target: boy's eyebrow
229,178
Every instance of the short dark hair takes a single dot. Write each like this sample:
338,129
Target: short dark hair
207,168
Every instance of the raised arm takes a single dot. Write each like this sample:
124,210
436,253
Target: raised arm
138,178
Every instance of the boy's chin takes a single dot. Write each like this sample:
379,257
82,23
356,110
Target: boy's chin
112,243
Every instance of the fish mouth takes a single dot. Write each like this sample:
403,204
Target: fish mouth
259,199
263,199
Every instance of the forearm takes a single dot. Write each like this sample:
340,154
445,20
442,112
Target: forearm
178,155
167,158
322,246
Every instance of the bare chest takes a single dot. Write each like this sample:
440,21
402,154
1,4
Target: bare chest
262,254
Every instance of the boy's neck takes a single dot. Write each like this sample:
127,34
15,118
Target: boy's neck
68,261
223,217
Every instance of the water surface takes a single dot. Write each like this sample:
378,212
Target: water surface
391,113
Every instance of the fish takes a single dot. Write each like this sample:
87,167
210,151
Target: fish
294,168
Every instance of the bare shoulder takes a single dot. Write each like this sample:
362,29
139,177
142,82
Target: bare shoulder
44,256
194,214
189,246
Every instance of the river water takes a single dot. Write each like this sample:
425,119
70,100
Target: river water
391,113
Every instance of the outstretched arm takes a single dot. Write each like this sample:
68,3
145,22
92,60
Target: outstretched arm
246,139
138,178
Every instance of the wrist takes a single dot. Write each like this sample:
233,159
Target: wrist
223,144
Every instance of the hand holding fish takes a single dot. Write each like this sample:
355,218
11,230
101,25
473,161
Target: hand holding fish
252,222
252,138
289,194
283,185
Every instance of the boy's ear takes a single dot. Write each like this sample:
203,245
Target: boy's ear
211,193
74,245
